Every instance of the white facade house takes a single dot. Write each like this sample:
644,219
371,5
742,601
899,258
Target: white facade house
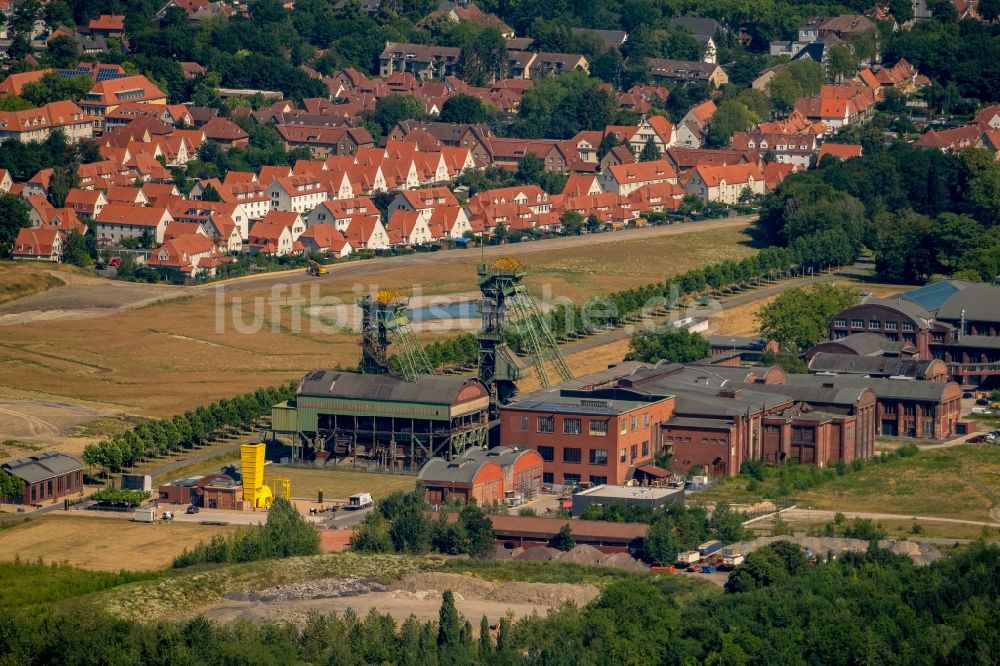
297,194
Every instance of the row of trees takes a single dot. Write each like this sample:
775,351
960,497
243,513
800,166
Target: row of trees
401,523
613,310
198,426
286,533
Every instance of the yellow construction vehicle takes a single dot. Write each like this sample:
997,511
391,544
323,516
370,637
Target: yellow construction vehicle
315,269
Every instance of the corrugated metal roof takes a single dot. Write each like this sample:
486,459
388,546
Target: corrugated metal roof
43,466
901,389
429,389
868,365
981,302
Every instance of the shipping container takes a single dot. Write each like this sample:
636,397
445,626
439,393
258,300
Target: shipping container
730,551
707,568
144,515
688,557
710,547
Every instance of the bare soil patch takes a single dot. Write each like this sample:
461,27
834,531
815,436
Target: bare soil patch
104,542
416,594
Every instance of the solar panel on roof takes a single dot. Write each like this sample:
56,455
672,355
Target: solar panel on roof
931,296
108,74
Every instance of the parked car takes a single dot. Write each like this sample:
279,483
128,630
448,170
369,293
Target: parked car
193,509
983,401
978,439
968,394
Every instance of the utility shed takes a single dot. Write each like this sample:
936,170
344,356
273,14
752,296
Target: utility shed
47,476
654,498
381,421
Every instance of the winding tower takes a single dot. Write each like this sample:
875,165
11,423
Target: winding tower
507,306
385,323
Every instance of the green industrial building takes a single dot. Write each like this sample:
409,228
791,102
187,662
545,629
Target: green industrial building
381,421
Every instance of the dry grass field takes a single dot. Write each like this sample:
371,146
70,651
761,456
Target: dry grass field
23,278
106,543
165,358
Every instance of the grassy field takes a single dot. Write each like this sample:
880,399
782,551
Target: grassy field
102,543
166,358
899,529
960,482
340,483
23,278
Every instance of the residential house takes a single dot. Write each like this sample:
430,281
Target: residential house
340,212
299,194
108,25
407,227
273,238
116,222
703,30
794,149
610,38
325,239
226,133
951,140
107,95
840,105
423,201
36,124
449,222
295,222
555,63
694,125
657,129
726,184
42,244
323,140
423,61
6,182
366,232
625,178
192,255
843,151
686,71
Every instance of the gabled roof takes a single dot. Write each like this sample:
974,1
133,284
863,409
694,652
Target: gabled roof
42,467
140,216
35,242
642,171
844,151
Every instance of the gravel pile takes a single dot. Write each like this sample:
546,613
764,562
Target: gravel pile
538,554
431,585
623,561
324,588
582,554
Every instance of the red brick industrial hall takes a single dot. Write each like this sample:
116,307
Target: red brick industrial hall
47,476
487,475
952,321
710,418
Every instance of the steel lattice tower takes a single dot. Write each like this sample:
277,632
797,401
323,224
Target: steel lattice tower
508,306
385,323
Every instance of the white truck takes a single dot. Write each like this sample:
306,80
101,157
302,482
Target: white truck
360,501
144,515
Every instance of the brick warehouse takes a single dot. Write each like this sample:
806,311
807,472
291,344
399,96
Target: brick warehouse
47,476
486,475
598,436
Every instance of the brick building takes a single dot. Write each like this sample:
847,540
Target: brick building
597,436
954,321
47,476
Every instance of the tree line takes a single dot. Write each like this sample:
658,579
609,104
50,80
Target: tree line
921,212
777,608
160,436
402,523
285,533
615,309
